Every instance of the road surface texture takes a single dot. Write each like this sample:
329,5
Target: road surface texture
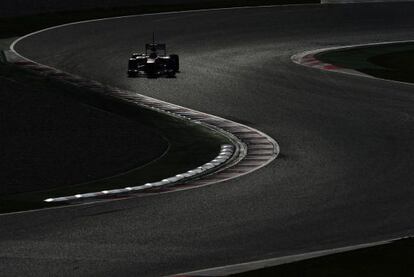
344,175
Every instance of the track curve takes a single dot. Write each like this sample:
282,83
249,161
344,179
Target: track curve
344,176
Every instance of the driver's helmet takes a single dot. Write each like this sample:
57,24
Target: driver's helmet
153,55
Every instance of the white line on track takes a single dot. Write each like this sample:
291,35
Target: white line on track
12,46
221,176
218,271
231,269
260,264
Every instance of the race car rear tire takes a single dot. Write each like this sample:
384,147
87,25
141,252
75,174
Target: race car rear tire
175,63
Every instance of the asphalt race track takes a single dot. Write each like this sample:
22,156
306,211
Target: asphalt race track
344,175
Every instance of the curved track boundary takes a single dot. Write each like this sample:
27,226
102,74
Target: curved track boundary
340,227
253,149
151,14
308,59
272,262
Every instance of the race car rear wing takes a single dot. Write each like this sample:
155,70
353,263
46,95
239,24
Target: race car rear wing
154,47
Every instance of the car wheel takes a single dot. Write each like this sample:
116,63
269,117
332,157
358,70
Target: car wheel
176,62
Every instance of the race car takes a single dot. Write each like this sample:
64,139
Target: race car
153,64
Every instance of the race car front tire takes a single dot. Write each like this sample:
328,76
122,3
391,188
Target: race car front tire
175,62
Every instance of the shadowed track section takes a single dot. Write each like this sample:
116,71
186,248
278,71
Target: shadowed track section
250,149
343,176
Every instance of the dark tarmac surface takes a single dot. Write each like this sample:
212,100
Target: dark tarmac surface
344,175
50,139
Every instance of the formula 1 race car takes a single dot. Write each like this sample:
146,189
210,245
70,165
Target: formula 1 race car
152,64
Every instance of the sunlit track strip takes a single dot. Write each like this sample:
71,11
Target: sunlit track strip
250,151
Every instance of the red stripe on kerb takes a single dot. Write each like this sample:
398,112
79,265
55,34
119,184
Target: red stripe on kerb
314,62
330,67
24,63
43,68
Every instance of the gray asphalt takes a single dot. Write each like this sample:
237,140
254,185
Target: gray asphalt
344,175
